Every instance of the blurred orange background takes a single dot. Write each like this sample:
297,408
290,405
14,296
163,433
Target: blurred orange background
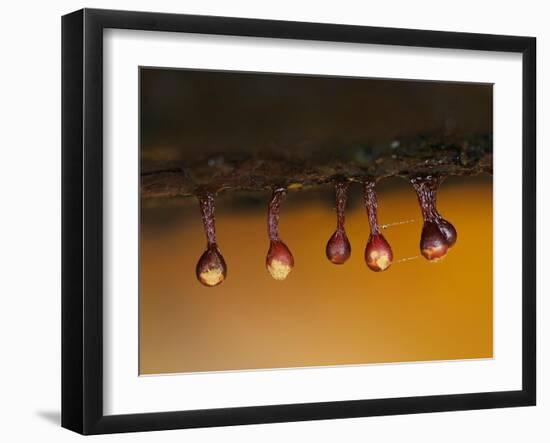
323,314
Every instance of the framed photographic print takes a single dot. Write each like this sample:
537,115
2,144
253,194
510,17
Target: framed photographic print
269,221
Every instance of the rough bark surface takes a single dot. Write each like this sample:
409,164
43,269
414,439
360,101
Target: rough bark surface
293,169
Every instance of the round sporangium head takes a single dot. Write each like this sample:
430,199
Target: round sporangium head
448,230
433,243
211,269
378,253
279,261
338,248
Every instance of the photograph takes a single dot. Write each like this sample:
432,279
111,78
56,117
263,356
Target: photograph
275,220
266,222
292,220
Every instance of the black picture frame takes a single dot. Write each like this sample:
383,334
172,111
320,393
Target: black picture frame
82,221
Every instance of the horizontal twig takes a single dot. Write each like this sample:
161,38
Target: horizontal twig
405,157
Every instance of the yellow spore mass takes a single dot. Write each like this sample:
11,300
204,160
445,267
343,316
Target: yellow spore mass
212,277
278,269
382,261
